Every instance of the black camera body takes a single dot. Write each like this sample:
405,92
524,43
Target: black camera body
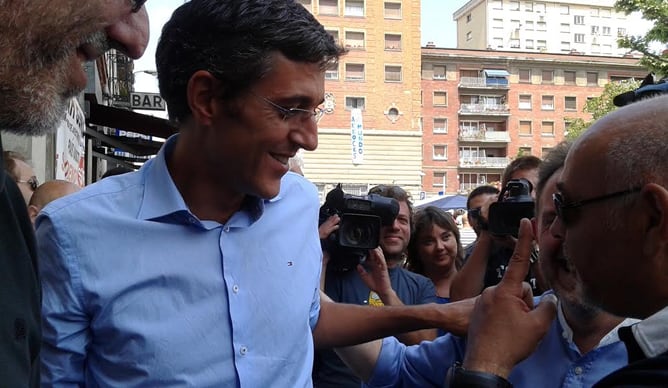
361,218
515,202
648,88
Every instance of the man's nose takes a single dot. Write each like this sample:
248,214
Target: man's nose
306,136
130,33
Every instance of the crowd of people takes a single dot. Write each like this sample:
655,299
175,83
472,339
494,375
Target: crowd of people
207,266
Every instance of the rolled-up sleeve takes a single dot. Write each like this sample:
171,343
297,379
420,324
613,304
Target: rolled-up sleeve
65,323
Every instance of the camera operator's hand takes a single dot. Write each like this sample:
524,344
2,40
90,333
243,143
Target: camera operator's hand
375,275
329,226
505,328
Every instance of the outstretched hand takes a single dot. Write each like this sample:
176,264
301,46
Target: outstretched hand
504,327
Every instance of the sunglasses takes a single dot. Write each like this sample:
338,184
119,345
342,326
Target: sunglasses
566,210
475,212
32,182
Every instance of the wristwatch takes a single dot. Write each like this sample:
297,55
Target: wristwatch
459,377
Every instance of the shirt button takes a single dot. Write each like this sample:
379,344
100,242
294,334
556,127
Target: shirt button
192,220
578,370
226,229
235,289
243,350
564,334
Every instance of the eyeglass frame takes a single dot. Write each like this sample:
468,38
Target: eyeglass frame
289,113
136,5
32,182
560,205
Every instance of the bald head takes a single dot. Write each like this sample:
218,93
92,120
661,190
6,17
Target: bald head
47,192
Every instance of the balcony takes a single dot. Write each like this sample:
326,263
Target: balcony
483,83
484,109
494,162
483,135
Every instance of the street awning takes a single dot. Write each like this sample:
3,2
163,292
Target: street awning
496,73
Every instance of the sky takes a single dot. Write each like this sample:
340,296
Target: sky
437,27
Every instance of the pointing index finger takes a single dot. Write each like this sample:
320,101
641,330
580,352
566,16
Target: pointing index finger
518,266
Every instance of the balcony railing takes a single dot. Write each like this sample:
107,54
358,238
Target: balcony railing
488,109
481,82
467,134
484,162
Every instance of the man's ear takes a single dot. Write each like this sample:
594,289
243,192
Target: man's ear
655,201
203,92
33,211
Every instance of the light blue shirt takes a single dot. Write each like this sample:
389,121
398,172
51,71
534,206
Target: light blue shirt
556,362
139,292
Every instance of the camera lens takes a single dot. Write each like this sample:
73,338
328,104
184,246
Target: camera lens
358,235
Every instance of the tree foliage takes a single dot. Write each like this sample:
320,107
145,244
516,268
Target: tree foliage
655,11
599,106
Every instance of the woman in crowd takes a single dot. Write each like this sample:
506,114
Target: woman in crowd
435,249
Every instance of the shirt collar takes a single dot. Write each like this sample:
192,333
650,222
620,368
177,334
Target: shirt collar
651,333
162,199
609,338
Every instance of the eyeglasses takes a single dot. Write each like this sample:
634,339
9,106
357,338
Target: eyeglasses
136,5
290,113
474,212
562,208
32,182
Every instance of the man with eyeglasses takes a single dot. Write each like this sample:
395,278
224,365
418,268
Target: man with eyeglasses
202,268
22,173
346,285
612,215
44,45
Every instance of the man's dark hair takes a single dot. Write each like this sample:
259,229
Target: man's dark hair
521,163
553,161
235,41
424,220
480,190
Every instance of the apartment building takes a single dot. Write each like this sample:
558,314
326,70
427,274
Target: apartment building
482,108
563,26
371,131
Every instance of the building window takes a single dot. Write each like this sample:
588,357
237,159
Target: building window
547,128
579,38
392,73
566,46
606,31
523,151
497,4
528,6
579,20
529,43
355,40
525,76
440,152
354,8
439,72
545,151
547,103
565,28
334,34
525,127
548,76
306,4
440,179
354,72
392,10
440,99
332,73
605,12
571,103
539,7
468,18
497,24
514,43
528,25
328,7
393,42
594,29
569,77
541,45
469,36
607,49
621,31
355,103
498,42
514,5
564,9
596,48
541,26
592,78
440,125
525,101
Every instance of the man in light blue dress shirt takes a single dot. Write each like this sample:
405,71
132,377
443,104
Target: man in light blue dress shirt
581,345
202,268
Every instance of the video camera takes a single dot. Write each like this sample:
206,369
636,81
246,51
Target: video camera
361,218
515,202
648,88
